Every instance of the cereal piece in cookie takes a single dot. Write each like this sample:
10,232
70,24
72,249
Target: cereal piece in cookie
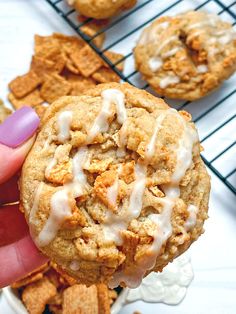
101,9
79,299
23,85
54,87
37,294
32,99
134,176
186,56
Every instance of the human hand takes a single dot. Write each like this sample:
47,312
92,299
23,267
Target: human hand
18,254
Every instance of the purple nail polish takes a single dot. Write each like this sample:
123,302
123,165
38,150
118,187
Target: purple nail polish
19,127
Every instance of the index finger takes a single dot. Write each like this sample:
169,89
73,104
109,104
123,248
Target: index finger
18,259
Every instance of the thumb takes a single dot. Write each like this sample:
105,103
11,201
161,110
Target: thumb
16,139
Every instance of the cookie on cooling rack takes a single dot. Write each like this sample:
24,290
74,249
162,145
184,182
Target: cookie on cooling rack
114,186
186,56
101,9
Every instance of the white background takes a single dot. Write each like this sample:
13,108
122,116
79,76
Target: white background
213,289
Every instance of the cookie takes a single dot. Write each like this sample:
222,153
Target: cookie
186,56
114,186
101,9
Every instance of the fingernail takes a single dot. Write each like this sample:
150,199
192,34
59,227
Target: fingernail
19,127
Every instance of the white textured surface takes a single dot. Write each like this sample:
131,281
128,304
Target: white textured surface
213,256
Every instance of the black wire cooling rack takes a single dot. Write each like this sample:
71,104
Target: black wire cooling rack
122,33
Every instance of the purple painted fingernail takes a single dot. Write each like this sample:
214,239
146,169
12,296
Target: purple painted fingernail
19,127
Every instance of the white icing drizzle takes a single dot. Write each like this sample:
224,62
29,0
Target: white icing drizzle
60,207
78,162
112,191
168,286
172,191
109,96
155,63
79,184
211,21
192,218
195,34
202,68
63,122
135,202
165,43
115,224
149,36
60,210
227,36
168,80
74,265
171,52
151,145
54,161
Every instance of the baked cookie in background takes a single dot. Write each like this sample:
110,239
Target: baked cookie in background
101,9
119,188
186,56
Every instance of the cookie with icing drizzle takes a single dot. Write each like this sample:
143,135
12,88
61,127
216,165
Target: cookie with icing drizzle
186,56
114,186
101,9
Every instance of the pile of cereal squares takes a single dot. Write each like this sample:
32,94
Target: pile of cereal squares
61,65
51,290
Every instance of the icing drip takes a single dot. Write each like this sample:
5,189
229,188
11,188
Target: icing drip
168,286
165,43
155,63
109,96
136,274
74,265
80,179
202,68
226,37
192,218
79,184
151,145
60,210
115,224
211,21
135,202
171,52
195,34
148,36
168,80
172,191
60,207
64,122
57,156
